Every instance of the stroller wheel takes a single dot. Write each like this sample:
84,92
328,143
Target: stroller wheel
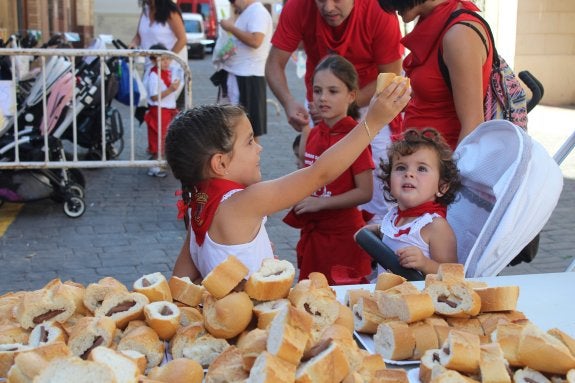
74,207
76,190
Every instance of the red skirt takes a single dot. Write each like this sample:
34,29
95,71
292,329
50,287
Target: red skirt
151,119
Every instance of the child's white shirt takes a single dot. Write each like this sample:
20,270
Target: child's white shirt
152,82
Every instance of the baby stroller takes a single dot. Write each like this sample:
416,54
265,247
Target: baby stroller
510,186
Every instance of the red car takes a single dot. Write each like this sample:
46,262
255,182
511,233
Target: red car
207,8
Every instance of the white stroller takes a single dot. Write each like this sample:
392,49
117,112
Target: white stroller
510,186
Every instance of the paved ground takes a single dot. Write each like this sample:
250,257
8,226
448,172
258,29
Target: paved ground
130,226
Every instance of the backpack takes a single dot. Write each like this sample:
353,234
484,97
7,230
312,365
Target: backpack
505,98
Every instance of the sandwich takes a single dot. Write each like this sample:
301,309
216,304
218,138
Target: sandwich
154,286
123,307
163,317
272,281
89,333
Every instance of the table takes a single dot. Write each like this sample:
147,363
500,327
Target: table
547,300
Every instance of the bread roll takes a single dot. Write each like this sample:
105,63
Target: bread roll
493,366
344,338
565,338
451,272
154,286
89,333
180,370
74,369
205,349
429,360
11,332
366,316
460,352
403,288
456,299
405,307
320,303
501,298
138,358
54,303
571,376
345,317
163,317
394,340
75,290
96,292
251,344
383,81
190,315
425,338
353,295
185,291
28,364
269,368
543,352
266,311
272,281
371,364
225,277
391,375
228,367
229,316
388,280
7,354
440,374
289,333
185,337
528,375
472,325
144,340
124,368
328,364
47,332
123,307
508,336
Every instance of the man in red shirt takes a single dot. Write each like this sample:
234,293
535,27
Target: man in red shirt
358,30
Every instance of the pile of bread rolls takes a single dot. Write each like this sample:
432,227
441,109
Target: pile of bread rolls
460,330
239,329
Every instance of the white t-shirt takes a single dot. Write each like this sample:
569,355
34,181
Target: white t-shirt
157,33
152,81
249,61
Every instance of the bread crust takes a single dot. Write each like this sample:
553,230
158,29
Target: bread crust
89,333
185,291
252,344
383,81
54,303
266,311
268,368
144,340
499,298
225,277
163,317
229,316
425,338
227,367
289,333
154,286
454,299
123,307
493,367
461,352
272,281
96,292
386,281
543,352
180,370
394,340
329,366
408,308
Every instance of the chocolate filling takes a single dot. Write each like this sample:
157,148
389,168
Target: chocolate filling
146,283
121,307
43,334
308,309
97,342
445,299
47,315
166,311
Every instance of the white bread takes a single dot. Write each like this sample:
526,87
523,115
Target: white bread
12,332
251,344
229,316
371,363
144,340
328,364
189,315
460,352
227,367
367,316
7,354
386,281
571,376
451,272
154,286
500,298
528,375
344,337
185,291
8,304
320,303
123,307
508,336
440,374
543,352
47,332
54,303
266,311
134,324
184,337
429,360
124,368
405,307
345,317
353,295
565,338
138,358
403,288
89,333
29,363
289,333
391,375
425,338
493,366
225,277
71,322
180,370
454,299
77,370
272,281
96,292
163,317
472,325
394,340
268,368
384,79
75,291
205,349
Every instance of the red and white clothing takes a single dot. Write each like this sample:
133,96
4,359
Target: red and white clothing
210,253
327,236
398,237
431,103
367,38
163,110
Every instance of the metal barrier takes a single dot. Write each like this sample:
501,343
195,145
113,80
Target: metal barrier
56,64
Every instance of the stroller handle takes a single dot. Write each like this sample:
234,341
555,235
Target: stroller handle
384,256
534,86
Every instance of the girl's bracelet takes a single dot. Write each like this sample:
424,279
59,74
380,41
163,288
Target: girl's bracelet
367,129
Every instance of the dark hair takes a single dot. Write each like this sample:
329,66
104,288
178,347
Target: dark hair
296,142
164,8
195,135
345,71
159,47
398,5
412,141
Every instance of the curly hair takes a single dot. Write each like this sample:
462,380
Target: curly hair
412,141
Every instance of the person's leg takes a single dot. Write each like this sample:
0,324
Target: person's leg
252,96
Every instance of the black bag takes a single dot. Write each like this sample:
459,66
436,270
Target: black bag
220,80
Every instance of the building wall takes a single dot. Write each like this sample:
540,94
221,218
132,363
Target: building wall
118,18
546,47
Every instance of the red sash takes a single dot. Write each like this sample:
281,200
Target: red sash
426,207
165,75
